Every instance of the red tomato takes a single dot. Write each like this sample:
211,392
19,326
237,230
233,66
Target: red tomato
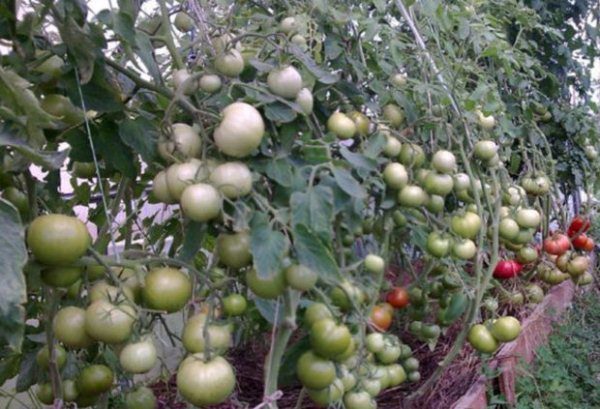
583,242
557,244
507,269
398,297
578,225
381,317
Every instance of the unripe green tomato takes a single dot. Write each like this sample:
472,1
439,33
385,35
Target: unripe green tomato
315,372
141,398
398,80
411,155
229,63
69,327
395,175
51,66
210,83
534,293
233,250
57,240
412,196
181,77
61,276
506,329
444,161
392,147
375,264
485,149
288,25
166,289
234,305
266,287
241,130
305,100
341,125
481,339
94,380
42,357
328,395
193,335
109,323
316,312
43,392
285,82
183,22
17,198
375,342
138,357
300,277
394,115
361,121
414,376
486,122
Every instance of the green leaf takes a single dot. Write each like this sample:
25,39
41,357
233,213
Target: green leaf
348,184
314,254
287,373
192,241
280,171
27,372
98,94
143,48
141,136
9,367
268,308
279,112
322,76
268,246
13,256
123,26
314,209
80,47
47,159
357,160
113,150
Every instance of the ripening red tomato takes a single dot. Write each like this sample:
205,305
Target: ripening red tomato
557,244
507,269
398,297
583,242
381,317
578,225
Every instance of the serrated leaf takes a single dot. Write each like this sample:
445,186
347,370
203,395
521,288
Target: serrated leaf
348,184
123,26
47,159
260,65
143,48
80,47
268,309
314,254
280,171
357,160
13,256
113,150
279,112
98,94
192,241
323,76
141,136
268,246
27,372
314,209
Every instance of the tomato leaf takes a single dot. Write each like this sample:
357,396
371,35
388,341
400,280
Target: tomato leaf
27,372
48,159
348,184
141,136
313,253
357,160
279,112
268,308
13,256
268,246
192,241
314,208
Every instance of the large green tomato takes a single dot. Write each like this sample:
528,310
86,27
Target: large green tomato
57,240
232,179
444,161
193,335
506,329
241,130
84,170
394,115
166,289
315,372
69,327
411,155
141,398
210,83
17,198
203,382
233,250
201,202
481,339
329,339
285,82
44,393
300,277
138,357
61,276
234,305
42,357
412,196
316,312
341,125
268,287
94,380
324,397
359,399
109,323
438,183
184,142
395,175
438,245
230,63
466,226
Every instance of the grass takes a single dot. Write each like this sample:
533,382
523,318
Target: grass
566,371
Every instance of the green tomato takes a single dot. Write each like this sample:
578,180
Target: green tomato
325,397
316,312
315,372
42,357
266,287
94,380
359,400
329,339
109,323
506,329
341,125
166,289
141,398
138,357
233,250
234,305
193,335
57,240
300,277
69,327
61,276
203,382
481,339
